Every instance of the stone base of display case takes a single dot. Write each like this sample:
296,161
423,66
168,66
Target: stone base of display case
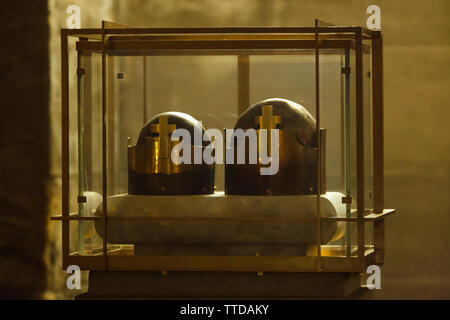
200,285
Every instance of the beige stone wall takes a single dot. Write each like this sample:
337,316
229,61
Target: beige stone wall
416,56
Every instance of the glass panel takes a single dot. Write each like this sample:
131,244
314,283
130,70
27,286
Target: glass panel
73,159
138,88
89,151
289,77
74,241
73,128
368,235
90,127
354,238
332,112
90,241
346,246
126,111
331,115
349,147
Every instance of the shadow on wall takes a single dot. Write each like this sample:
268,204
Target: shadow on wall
24,149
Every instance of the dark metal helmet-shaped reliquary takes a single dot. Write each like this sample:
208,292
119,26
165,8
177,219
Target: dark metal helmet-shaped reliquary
297,150
151,169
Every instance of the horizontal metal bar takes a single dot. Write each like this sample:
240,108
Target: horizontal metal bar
329,31
75,217
219,263
233,218
368,218
233,36
228,47
224,44
252,52
326,29
292,29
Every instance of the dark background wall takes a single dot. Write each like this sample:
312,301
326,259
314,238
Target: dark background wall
24,147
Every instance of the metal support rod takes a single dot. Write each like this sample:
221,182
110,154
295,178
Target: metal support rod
110,118
144,90
104,155
87,119
378,147
318,158
65,146
81,166
360,146
243,71
348,206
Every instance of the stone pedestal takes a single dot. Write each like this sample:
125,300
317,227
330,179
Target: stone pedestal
201,285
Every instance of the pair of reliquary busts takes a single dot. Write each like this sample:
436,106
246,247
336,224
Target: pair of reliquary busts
153,171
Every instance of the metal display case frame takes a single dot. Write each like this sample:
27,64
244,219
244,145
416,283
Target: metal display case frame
113,39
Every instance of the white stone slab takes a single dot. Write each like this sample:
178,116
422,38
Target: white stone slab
201,231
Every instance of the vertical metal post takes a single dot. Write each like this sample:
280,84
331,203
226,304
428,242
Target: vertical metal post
144,90
84,137
65,147
110,118
378,148
81,167
323,160
378,144
360,145
347,126
318,157
87,121
104,154
243,83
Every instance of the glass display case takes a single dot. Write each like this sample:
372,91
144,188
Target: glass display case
123,83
